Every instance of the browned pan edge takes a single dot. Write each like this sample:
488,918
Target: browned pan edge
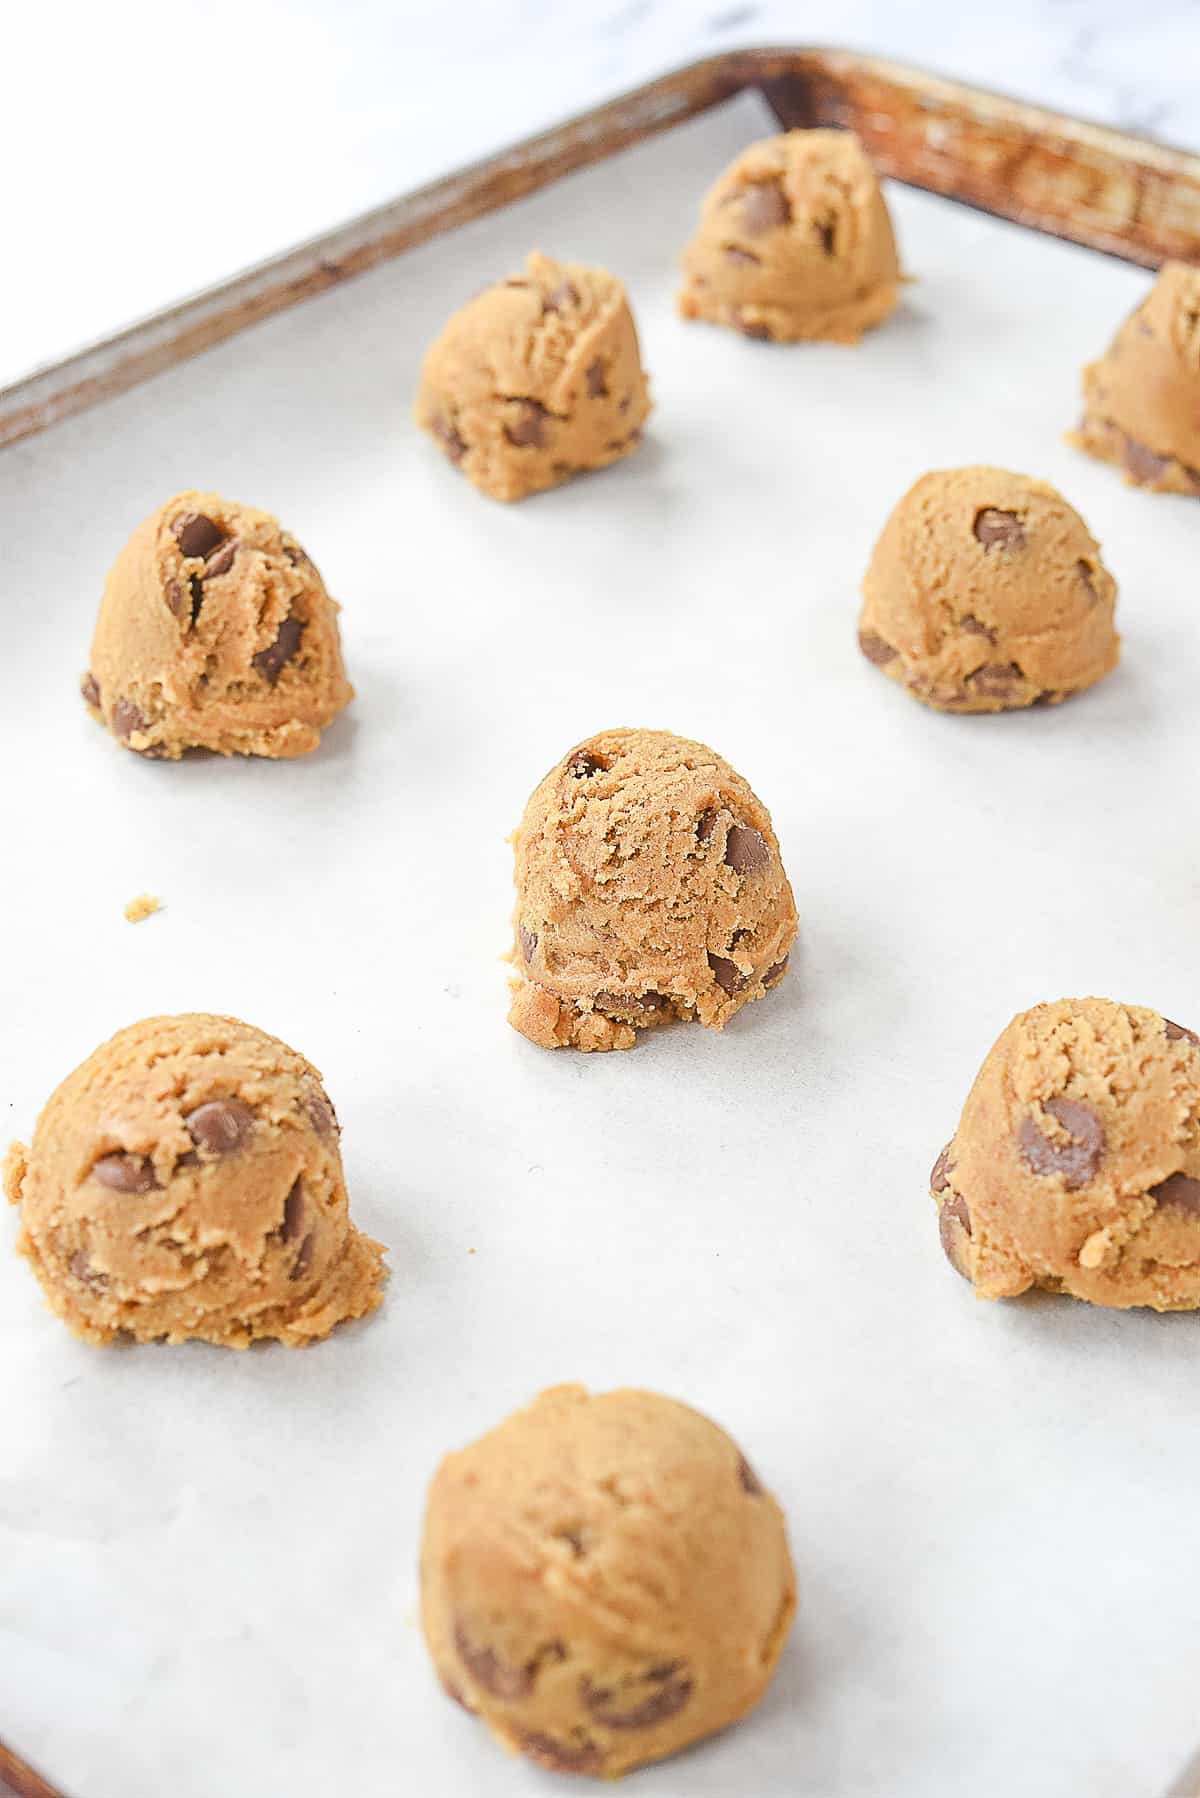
20,1781
1102,188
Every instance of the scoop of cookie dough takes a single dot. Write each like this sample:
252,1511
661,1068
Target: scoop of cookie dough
1076,1163
536,379
186,1181
986,592
215,632
1142,399
649,886
604,1580
794,241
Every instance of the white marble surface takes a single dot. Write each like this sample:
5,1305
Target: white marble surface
164,147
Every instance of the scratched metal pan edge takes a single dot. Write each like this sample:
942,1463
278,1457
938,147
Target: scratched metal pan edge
1108,190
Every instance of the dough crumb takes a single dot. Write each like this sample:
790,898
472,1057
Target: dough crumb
144,906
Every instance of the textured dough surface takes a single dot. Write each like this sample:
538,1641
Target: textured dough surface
986,592
186,1181
1141,400
1076,1163
794,241
604,1580
215,632
536,379
649,886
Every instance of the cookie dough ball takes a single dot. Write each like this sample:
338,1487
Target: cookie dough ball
185,1181
215,632
604,1580
1142,399
536,379
794,242
649,886
1076,1163
986,592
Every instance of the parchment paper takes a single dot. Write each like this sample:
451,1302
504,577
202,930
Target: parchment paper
207,1580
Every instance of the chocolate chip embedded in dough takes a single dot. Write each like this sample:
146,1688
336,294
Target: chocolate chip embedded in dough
727,974
89,686
454,445
764,208
564,295
303,1261
753,328
560,1757
319,1109
597,380
583,764
954,1222
736,255
1179,1190
745,850
270,662
125,1173
222,561
642,1701
220,1125
293,1212
997,529
975,628
775,972
1076,1160
528,941
196,534
528,429
996,680
487,1669
126,718
748,1479
1141,462
876,649
1178,1033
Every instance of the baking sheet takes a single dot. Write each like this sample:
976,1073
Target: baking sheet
207,1560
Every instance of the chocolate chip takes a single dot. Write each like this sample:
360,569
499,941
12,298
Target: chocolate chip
775,972
974,628
560,1757
597,380
222,562
1142,463
565,294
995,528
125,1173
621,1707
126,718
1179,1190
1077,1160
1177,1033
583,764
1084,571
630,1004
755,329
321,1115
295,555
528,429
303,1261
177,602
221,1126
745,850
82,1270
748,1479
705,825
528,941
954,1220
293,1213
875,649
489,1671
733,254
727,976
939,1178
764,208
454,445
89,686
196,534
270,662
996,680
